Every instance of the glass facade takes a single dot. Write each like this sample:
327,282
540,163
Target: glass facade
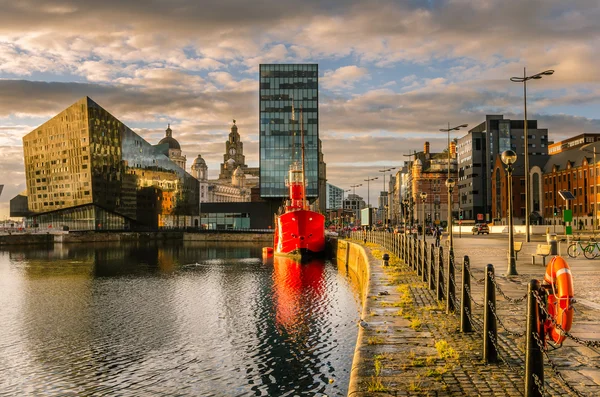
85,156
225,221
87,217
280,137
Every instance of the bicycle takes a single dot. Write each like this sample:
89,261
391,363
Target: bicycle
592,250
573,250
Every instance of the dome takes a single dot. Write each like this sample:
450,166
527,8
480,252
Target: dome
198,161
238,172
168,139
173,144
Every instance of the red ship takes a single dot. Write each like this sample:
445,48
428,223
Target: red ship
299,231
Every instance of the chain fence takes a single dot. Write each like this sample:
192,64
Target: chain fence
502,345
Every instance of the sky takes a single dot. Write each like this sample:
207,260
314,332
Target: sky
392,73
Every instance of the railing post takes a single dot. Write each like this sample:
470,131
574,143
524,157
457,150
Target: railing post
420,253
465,301
490,331
432,267
440,274
424,266
450,290
534,359
415,253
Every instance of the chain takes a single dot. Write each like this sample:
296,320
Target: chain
539,384
493,307
508,298
554,367
588,343
518,371
455,297
468,289
477,280
476,325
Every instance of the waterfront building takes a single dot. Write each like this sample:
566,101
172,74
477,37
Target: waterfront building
429,173
477,152
86,170
171,148
335,196
354,203
234,158
572,143
572,170
284,87
399,193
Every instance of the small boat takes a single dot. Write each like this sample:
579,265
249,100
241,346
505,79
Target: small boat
299,232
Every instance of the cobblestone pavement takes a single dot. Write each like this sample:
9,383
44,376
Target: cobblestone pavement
412,347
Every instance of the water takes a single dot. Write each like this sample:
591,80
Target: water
172,319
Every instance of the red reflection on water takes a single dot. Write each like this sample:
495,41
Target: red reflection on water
297,286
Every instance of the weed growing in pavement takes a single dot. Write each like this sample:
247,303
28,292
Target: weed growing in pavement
375,340
375,384
445,351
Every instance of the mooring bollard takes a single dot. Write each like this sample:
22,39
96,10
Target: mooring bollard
450,290
386,259
440,274
465,302
432,267
534,359
490,331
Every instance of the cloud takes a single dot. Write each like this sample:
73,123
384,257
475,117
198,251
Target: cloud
344,77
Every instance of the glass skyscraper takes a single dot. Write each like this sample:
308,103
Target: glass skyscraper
280,137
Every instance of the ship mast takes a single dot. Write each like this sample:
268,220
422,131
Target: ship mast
303,170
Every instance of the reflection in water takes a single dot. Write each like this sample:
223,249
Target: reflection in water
172,319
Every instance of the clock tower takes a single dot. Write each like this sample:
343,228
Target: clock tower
234,150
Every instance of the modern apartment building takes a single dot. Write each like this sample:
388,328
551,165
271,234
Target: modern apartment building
335,195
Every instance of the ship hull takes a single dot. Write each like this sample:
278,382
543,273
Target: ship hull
300,234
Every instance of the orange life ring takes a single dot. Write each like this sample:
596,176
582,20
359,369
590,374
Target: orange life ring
560,299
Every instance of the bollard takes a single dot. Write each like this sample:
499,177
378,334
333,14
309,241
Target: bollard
490,354
440,274
424,263
465,302
386,259
432,267
534,360
450,290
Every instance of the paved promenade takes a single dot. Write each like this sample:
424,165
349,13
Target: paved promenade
410,346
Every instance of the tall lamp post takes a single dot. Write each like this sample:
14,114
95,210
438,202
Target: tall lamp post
368,192
385,190
595,218
509,157
423,198
447,130
450,184
524,80
405,212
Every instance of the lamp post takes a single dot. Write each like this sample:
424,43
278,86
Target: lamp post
385,190
368,198
447,130
509,157
405,211
524,80
450,184
594,220
423,198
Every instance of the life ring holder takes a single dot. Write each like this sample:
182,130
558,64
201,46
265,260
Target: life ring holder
558,281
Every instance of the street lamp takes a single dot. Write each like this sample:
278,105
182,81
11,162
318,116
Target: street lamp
450,184
386,190
447,130
509,157
423,198
595,220
405,211
368,198
524,80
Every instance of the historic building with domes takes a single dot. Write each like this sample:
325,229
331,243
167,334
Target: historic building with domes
171,148
235,180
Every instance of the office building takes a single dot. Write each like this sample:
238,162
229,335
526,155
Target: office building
280,135
86,170
335,195
477,152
